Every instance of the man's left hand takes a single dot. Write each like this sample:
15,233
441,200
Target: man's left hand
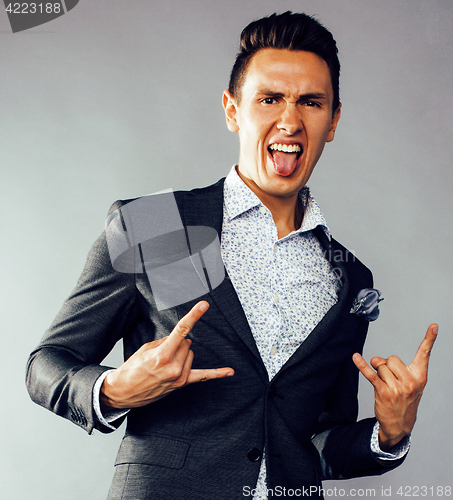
398,389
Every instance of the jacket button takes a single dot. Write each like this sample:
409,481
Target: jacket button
272,393
254,455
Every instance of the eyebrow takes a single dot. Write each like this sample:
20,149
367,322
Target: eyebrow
302,97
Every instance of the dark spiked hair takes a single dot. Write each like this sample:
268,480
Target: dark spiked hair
286,31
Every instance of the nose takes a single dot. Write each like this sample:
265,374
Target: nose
290,119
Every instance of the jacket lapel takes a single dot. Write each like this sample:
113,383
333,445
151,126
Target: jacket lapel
340,261
204,207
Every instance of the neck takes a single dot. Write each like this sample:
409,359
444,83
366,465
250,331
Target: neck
286,211
287,216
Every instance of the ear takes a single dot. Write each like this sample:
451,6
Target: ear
230,107
333,124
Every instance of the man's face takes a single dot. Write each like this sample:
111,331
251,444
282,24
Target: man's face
286,104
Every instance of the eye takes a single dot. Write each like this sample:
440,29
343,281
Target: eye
312,104
269,100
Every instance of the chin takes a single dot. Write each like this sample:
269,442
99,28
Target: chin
288,182
284,189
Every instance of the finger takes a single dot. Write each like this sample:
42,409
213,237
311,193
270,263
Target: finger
387,375
383,371
367,371
185,325
209,374
157,343
377,361
421,358
182,351
186,367
391,367
154,343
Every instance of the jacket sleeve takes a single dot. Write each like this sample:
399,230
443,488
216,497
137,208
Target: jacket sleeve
343,444
62,370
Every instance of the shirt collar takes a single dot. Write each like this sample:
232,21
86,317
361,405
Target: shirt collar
239,198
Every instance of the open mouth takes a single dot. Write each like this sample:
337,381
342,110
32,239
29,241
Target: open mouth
284,157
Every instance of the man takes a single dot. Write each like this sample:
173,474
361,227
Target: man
277,343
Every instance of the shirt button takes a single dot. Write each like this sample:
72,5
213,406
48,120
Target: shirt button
275,248
274,351
263,209
276,298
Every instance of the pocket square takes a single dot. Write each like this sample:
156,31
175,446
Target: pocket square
366,304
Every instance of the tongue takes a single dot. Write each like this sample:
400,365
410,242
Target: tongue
284,163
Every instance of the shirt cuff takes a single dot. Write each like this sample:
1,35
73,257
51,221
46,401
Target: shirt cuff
110,417
395,453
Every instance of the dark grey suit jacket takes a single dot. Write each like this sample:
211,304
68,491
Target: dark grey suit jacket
205,441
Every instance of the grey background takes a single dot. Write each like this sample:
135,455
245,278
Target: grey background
118,99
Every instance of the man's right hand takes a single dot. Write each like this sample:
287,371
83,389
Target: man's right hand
158,368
